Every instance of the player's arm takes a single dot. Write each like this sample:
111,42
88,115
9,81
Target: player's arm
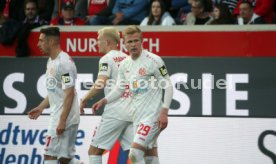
168,94
68,78
36,112
116,92
94,90
161,73
104,73
69,95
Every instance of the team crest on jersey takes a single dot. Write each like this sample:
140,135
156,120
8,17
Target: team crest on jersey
142,71
103,67
163,70
65,78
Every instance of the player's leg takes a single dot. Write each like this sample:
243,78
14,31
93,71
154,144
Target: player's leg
144,138
95,155
49,155
126,137
50,159
61,148
104,138
151,156
66,153
136,153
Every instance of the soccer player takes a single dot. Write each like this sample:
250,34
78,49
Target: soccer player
115,123
60,82
147,76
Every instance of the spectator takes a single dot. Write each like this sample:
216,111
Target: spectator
58,7
158,15
125,12
200,13
262,8
222,15
247,15
94,9
67,16
31,21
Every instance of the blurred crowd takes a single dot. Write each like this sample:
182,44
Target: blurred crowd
18,17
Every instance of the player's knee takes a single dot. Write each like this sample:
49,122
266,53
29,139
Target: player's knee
151,152
95,151
136,155
64,160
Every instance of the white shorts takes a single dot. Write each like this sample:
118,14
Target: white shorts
146,134
62,146
109,131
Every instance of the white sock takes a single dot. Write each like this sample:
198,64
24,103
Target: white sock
151,160
136,156
95,159
75,161
50,162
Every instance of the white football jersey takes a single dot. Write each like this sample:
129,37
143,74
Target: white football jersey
144,76
61,74
108,66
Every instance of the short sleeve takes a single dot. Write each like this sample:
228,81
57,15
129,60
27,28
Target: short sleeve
104,67
68,74
160,71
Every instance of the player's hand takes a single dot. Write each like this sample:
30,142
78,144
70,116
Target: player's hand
119,16
35,113
60,128
82,105
163,121
98,105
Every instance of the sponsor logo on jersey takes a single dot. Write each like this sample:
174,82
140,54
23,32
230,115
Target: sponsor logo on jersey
65,78
163,70
118,59
103,67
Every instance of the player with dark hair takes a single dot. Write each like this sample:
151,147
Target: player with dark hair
64,120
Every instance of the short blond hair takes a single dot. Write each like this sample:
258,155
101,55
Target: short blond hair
129,30
111,33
